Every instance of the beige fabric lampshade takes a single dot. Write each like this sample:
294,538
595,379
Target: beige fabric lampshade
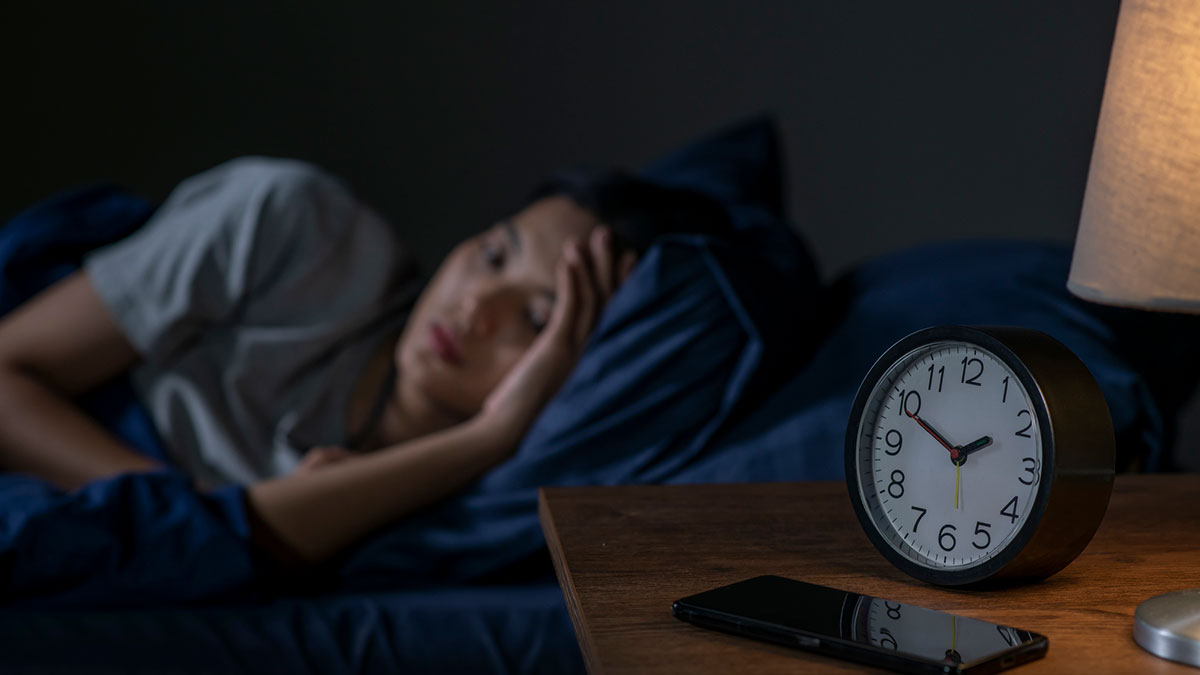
1139,235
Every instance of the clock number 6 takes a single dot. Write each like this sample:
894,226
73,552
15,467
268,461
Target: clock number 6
943,535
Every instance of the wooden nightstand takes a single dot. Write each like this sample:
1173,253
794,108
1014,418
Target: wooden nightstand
624,554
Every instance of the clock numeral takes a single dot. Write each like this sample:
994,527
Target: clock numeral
1034,471
918,523
896,488
897,443
974,379
893,610
907,397
887,640
981,528
1024,433
941,377
943,535
1010,510
1004,396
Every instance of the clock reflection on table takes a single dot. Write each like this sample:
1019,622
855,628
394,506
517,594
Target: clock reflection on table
927,634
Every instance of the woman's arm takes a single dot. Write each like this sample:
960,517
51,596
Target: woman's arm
312,515
58,345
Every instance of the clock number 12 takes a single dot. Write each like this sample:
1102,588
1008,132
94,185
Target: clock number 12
974,379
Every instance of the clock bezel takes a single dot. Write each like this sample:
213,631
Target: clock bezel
1063,395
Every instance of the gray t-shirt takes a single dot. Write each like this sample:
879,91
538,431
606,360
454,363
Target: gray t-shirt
255,296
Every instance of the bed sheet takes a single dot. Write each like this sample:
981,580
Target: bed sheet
520,628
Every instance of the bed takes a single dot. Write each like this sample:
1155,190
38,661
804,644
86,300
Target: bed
721,359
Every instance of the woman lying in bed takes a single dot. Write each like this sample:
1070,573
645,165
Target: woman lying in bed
268,318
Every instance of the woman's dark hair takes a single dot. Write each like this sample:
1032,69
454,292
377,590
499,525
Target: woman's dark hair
637,210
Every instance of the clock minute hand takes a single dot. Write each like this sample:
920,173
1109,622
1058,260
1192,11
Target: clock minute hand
933,432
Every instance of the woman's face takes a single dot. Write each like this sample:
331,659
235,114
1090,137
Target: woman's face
485,305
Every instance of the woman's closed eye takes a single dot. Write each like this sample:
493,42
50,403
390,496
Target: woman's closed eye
493,256
498,243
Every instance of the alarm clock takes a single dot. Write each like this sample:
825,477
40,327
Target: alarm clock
978,454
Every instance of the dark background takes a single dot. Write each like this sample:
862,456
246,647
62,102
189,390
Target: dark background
903,121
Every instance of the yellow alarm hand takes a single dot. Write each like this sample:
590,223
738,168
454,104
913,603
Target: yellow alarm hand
963,452
957,479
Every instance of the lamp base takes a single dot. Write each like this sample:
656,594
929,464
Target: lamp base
1168,626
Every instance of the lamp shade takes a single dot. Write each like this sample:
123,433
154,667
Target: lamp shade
1139,233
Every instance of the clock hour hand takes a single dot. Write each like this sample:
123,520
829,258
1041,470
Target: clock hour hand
965,451
954,452
977,444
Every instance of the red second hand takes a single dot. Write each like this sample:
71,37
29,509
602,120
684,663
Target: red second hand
936,435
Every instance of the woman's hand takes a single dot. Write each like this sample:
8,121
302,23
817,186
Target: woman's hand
586,276
322,456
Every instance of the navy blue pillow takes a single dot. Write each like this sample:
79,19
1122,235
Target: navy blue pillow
697,334
798,433
741,168
655,337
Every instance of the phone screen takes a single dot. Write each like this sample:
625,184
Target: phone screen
861,627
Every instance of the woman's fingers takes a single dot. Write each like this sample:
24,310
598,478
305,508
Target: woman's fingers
323,455
562,317
597,272
585,292
587,275
600,243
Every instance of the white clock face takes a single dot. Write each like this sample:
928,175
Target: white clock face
949,455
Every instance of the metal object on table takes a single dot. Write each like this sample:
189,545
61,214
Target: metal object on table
1169,626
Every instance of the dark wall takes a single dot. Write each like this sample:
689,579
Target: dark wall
903,121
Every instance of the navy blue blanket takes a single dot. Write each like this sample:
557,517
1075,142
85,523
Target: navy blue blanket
702,369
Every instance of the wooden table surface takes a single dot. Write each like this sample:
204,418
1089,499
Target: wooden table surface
624,554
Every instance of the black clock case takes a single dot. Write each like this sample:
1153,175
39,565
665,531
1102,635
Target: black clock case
1078,455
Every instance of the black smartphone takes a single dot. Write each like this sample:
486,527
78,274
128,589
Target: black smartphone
860,628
